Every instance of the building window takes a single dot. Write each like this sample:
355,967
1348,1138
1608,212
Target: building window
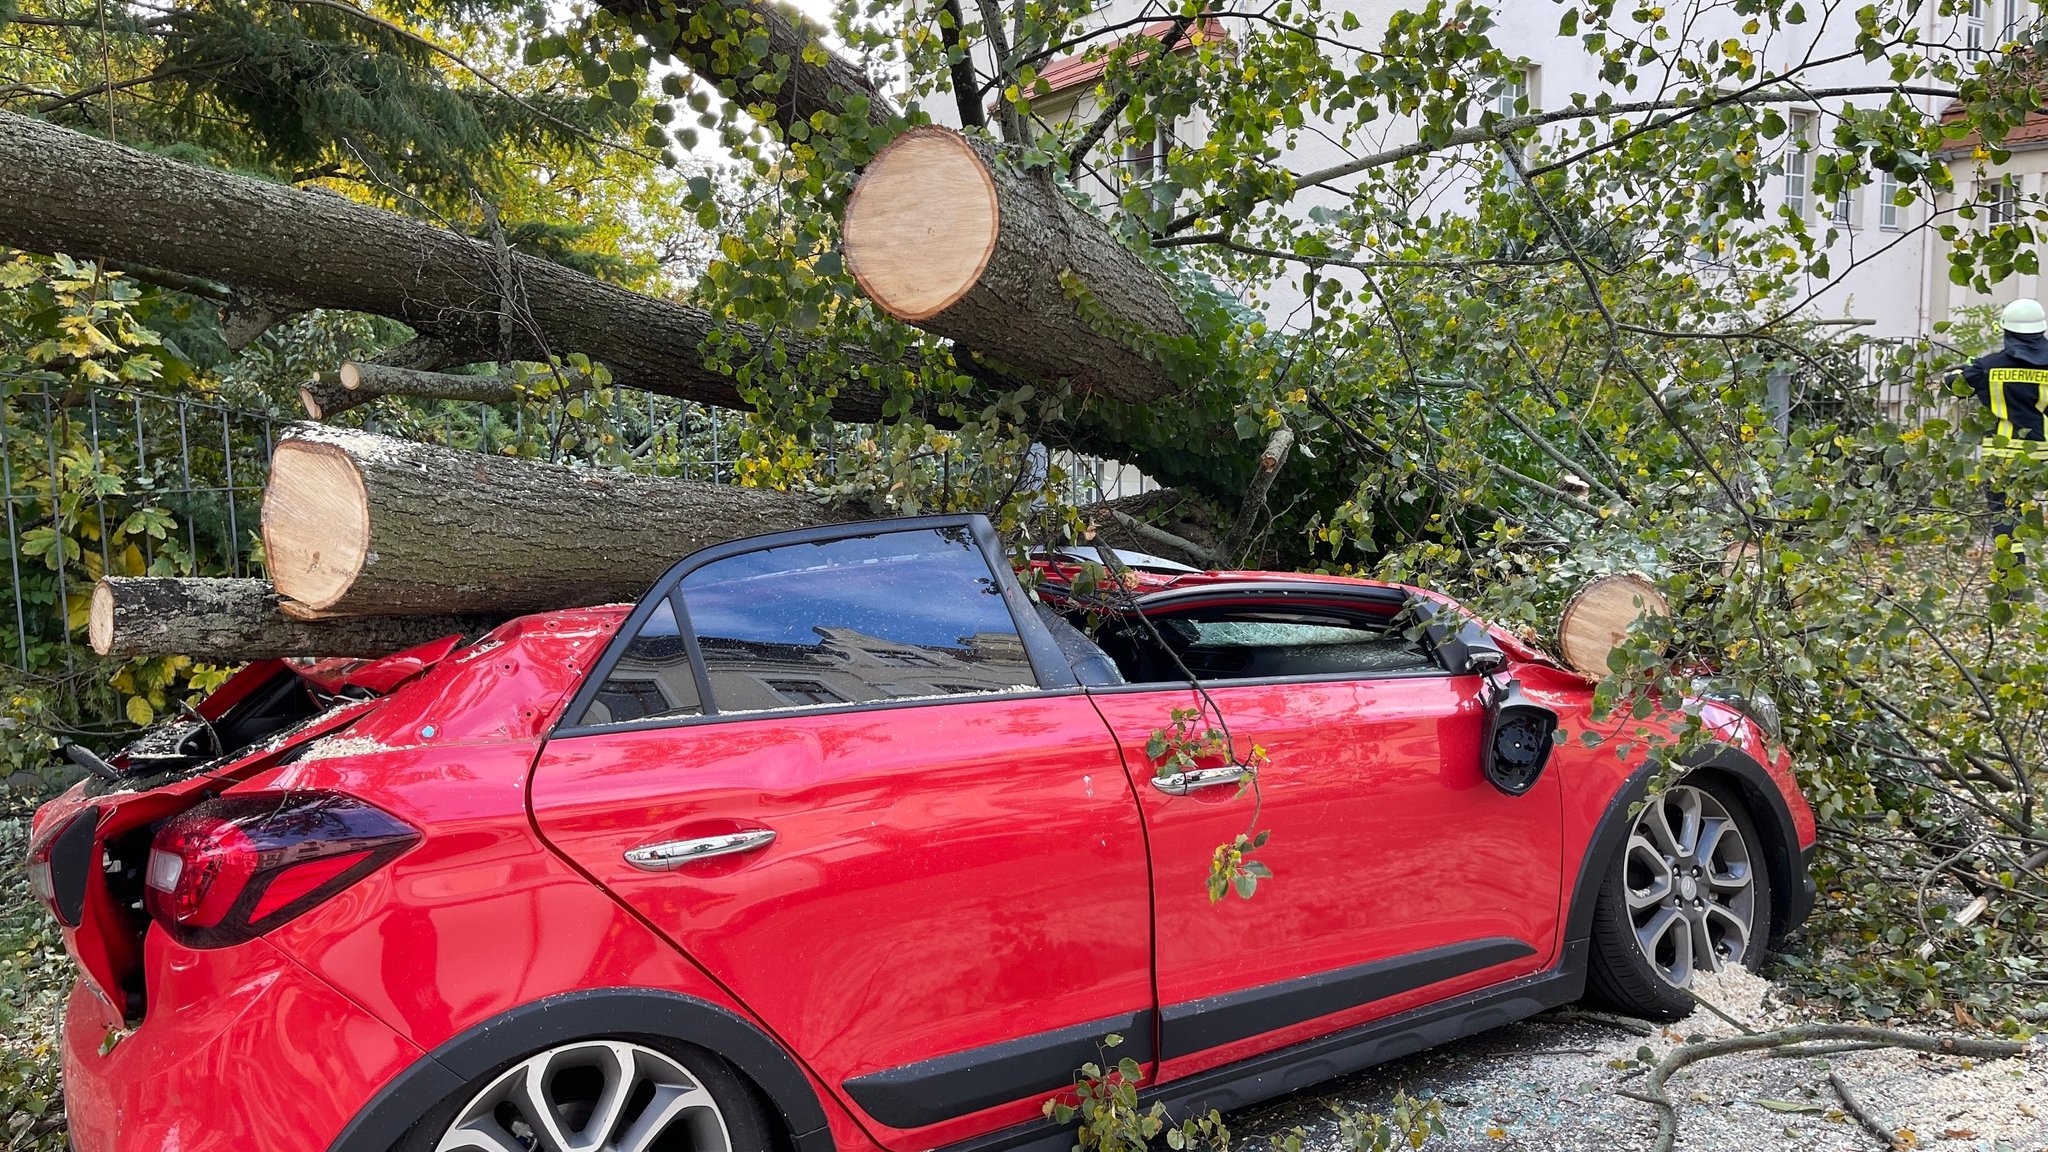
2012,22
1974,29
1798,163
1515,93
1145,157
1842,208
804,692
2001,203
1890,216
1145,160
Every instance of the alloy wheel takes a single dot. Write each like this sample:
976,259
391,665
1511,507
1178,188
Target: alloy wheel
608,1095
1691,885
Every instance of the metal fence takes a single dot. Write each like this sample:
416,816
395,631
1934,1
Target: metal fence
173,485
89,473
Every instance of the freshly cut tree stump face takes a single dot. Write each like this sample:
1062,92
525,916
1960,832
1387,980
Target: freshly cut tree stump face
1597,620
921,224
99,619
316,522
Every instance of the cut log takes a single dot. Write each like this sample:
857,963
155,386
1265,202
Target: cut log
384,380
225,621
323,396
359,382
68,192
1597,619
942,234
360,524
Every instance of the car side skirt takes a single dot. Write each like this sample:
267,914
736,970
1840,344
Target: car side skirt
939,1089
1297,1066
1200,1025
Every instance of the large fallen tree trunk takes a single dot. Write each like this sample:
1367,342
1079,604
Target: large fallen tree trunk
64,191
233,621
940,233
360,524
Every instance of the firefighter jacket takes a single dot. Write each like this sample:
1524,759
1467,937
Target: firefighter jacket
2013,383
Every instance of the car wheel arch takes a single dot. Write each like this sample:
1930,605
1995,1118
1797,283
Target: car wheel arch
1759,793
588,1013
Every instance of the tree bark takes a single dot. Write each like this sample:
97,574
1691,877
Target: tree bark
68,192
235,621
359,382
358,524
942,234
1278,445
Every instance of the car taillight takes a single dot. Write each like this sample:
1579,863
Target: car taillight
234,868
60,862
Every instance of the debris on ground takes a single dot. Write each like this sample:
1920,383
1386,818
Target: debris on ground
1554,1083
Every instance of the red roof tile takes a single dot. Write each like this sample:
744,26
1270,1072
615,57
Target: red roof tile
1069,72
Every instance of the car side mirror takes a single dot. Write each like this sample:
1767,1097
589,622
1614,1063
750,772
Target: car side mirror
1519,735
1467,651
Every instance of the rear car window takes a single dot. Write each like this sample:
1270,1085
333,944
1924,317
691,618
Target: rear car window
893,616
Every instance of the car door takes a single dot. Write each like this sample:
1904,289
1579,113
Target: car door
1400,877
850,780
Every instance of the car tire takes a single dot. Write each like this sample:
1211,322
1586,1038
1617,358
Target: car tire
1679,877
712,1107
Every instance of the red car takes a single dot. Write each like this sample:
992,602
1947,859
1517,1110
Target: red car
841,840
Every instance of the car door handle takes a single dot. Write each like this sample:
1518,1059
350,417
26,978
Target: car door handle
672,854
1182,783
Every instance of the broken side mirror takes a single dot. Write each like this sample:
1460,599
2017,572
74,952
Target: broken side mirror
1519,735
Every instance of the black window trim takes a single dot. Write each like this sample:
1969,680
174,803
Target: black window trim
1049,667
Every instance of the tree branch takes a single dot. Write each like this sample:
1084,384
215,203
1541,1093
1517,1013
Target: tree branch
1854,1108
1014,131
960,62
85,94
1278,445
456,58
1667,1113
1160,537
1493,127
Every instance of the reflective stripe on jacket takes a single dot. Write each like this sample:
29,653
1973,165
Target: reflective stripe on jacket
2016,391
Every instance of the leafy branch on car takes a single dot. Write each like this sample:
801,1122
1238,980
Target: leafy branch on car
1181,748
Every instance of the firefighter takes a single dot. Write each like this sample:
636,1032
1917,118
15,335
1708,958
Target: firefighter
2013,383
